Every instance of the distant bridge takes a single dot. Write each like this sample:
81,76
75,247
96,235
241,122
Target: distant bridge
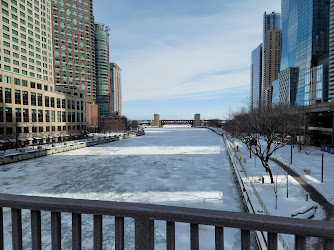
158,123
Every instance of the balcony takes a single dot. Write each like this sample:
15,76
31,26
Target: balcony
144,216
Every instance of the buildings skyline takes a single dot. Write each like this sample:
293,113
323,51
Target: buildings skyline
47,70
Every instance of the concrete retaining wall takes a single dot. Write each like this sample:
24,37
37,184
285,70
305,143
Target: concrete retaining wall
21,156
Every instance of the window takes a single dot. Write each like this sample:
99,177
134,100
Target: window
40,115
39,86
52,102
8,95
18,114
34,129
47,115
6,79
1,114
26,130
32,85
40,100
9,115
25,97
33,99
24,83
1,95
16,81
33,115
58,103
17,96
58,116
53,116
63,114
63,103
40,129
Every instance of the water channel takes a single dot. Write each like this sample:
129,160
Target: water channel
179,166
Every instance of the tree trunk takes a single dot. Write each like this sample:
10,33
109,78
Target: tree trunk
270,174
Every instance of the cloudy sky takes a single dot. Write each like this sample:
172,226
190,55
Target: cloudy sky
181,57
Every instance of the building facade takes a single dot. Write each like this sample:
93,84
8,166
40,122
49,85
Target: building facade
287,85
116,89
31,107
331,54
73,44
256,77
271,53
305,25
102,68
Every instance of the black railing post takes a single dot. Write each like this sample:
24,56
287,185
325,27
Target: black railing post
1,229
119,233
36,230
98,238
144,233
16,229
56,230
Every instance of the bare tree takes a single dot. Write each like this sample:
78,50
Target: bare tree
263,129
215,123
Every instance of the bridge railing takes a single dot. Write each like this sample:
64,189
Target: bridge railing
144,216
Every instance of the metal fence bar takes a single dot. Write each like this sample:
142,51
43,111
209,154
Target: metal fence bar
119,233
245,239
272,241
56,230
300,242
194,237
97,245
36,230
16,229
328,244
219,238
144,233
170,231
76,231
1,229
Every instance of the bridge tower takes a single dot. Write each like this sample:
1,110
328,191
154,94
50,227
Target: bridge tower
197,120
156,121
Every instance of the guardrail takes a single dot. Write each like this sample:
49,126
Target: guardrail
144,216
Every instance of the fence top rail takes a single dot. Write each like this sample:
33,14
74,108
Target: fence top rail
245,221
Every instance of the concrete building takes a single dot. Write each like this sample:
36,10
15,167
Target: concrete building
74,52
287,85
115,98
31,107
305,34
271,53
102,68
256,77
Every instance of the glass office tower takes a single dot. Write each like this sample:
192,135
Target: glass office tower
256,77
305,34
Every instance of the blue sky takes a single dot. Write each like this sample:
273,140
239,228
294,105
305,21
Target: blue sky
181,57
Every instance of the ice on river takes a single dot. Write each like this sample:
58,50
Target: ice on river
179,166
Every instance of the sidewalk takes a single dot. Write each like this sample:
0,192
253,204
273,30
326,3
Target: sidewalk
298,204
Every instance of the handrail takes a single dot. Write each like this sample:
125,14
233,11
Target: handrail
275,224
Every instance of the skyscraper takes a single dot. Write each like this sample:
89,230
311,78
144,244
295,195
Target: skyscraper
102,68
331,54
305,39
256,77
116,94
271,53
74,53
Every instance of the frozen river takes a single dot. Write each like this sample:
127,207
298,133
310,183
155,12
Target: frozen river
179,166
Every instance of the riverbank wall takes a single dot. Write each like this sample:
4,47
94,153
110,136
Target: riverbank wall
39,151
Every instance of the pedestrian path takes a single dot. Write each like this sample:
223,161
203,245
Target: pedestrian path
286,197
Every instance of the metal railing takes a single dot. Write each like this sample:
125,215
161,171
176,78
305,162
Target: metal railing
144,216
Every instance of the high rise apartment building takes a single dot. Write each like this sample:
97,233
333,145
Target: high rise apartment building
116,93
102,68
256,77
305,34
30,105
74,51
271,53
